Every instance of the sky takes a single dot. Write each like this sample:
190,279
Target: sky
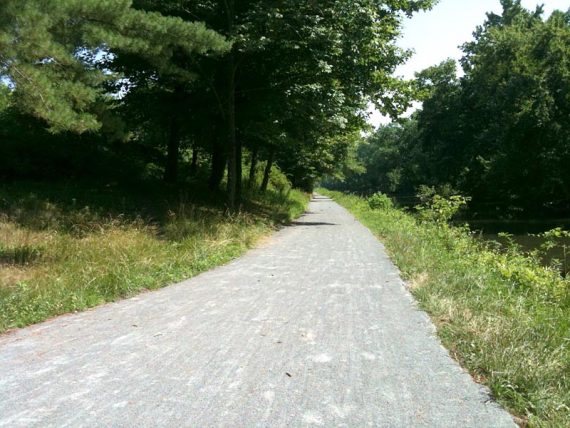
436,35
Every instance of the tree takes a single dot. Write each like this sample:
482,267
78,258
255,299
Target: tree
51,53
390,162
500,133
297,77
291,85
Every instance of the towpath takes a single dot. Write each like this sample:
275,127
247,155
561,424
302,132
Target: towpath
314,328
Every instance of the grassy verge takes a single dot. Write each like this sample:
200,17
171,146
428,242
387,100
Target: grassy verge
67,247
502,316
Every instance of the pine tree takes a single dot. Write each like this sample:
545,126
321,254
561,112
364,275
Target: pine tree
52,53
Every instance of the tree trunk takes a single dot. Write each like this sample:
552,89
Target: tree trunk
218,165
233,149
239,171
173,153
252,168
267,172
232,146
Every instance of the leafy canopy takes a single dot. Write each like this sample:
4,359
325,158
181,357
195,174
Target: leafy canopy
50,50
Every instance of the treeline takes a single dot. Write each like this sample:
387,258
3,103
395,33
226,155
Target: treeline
500,133
153,83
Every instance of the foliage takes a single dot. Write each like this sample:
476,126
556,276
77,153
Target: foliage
501,314
499,133
390,162
51,51
285,82
380,201
441,210
300,77
557,239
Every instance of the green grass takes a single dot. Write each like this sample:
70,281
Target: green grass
71,246
502,315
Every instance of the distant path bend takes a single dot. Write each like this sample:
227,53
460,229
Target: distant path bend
315,328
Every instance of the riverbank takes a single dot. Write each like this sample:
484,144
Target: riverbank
502,315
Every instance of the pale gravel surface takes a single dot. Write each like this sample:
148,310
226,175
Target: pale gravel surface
315,328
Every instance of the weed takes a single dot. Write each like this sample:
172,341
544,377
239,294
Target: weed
380,201
440,209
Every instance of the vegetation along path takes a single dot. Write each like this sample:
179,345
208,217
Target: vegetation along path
315,328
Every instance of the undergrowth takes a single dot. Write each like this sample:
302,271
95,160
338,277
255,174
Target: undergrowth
501,314
71,246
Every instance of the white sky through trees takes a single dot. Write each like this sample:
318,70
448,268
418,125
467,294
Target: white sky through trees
436,35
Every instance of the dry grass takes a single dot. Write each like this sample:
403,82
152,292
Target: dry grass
418,281
57,257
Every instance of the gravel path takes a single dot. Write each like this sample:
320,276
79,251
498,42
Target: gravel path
314,328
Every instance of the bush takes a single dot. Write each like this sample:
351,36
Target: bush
278,180
380,201
441,210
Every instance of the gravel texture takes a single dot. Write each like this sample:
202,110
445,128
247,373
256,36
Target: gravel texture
314,328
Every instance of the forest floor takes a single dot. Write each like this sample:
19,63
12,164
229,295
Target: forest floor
313,328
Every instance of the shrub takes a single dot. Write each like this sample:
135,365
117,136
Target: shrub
380,201
278,180
441,210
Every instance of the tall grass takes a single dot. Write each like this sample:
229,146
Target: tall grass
502,315
69,247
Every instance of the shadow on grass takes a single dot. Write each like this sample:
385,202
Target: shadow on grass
278,206
82,207
24,201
